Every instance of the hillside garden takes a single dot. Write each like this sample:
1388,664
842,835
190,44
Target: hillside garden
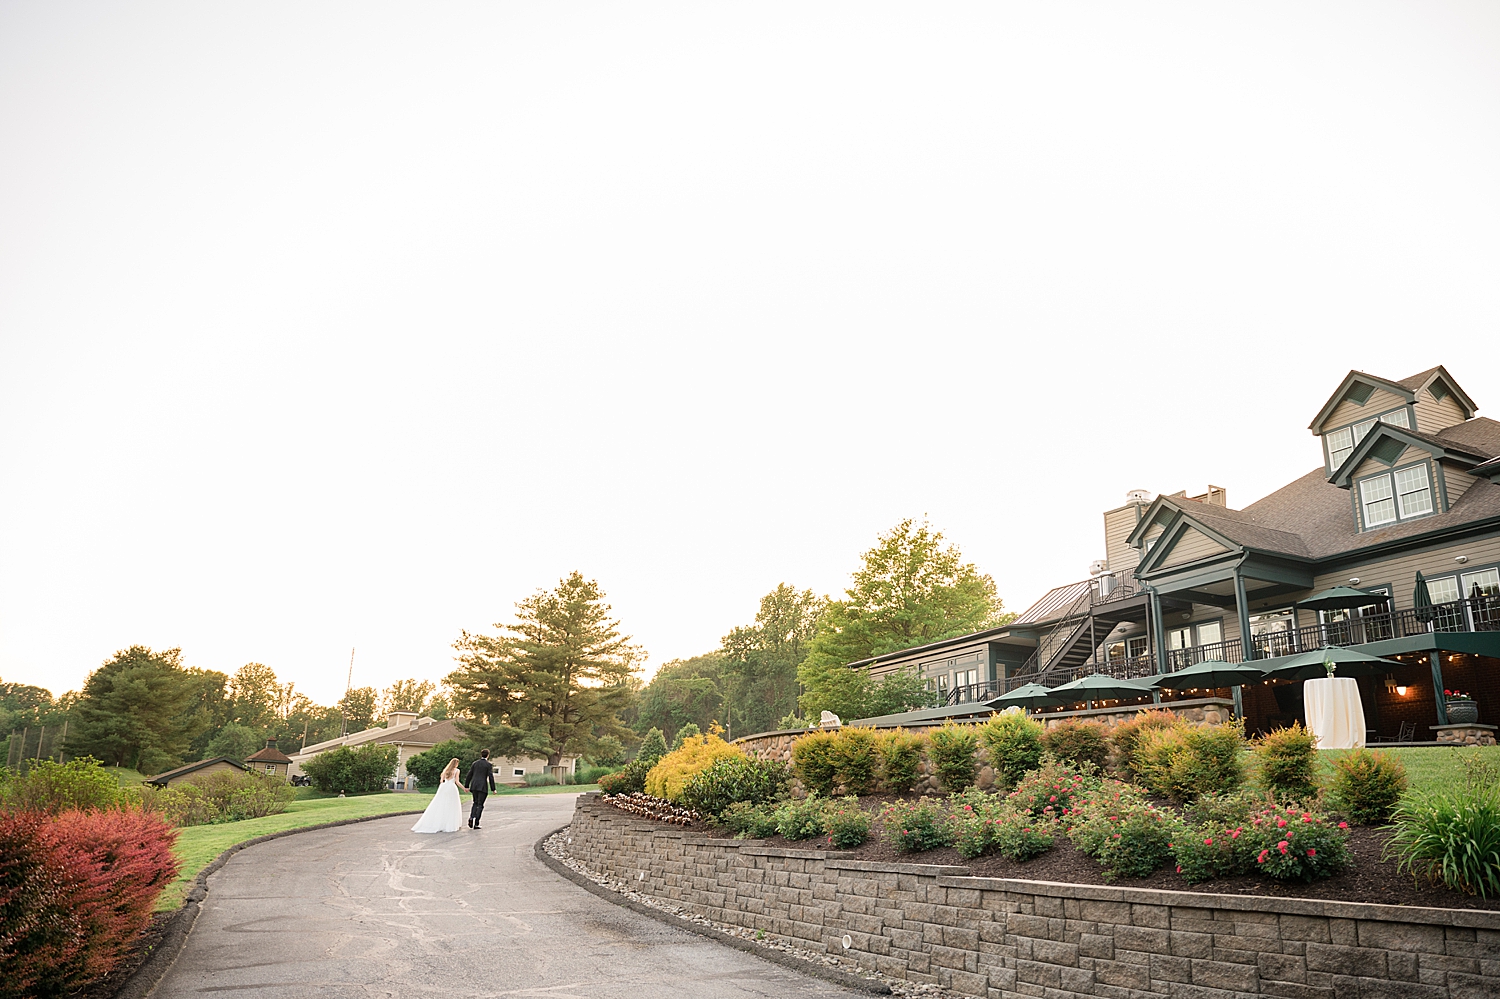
1154,802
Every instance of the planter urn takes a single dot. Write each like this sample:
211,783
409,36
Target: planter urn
1463,712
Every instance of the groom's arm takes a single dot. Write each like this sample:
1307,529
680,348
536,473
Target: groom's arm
492,777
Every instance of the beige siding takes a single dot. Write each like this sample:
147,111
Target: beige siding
1456,483
1436,414
1192,546
1348,411
1117,527
1373,466
1400,573
217,768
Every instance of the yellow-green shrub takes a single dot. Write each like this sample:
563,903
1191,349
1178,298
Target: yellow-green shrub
952,750
1126,735
1014,745
696,754
900,760
813,759
856,760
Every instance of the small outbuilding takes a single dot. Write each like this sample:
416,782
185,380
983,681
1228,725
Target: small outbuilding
269,762
216,765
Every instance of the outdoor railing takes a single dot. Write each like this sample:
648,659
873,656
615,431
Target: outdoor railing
1476,614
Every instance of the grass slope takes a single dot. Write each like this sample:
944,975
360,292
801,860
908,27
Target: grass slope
197,846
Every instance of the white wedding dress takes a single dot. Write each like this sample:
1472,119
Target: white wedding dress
444,813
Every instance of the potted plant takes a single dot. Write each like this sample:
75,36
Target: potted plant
1462,709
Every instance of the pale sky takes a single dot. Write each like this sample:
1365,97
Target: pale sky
330,325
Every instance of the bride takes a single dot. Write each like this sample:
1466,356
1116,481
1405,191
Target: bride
444,813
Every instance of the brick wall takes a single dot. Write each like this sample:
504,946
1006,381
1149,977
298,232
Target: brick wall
994,937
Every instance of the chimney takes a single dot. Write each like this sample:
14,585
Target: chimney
400,719
270,743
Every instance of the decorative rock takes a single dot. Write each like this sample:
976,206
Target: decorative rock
1471,734
986,779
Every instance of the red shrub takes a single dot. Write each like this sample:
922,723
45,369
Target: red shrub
76,890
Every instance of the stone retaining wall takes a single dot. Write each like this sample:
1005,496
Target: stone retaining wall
996,937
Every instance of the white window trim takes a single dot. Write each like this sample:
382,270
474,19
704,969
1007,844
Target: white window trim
1355,438
1394,496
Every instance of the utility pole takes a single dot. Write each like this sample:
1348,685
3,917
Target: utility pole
62,748
344,704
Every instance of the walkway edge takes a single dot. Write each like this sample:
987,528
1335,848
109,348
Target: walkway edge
152,970
811,968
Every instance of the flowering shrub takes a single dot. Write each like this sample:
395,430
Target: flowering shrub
813,759
1211,851
900,760
1288,762
649,807
1013,743
1367,785
1296,844
46,786
981,823
1078,742
952,750
748,821
801,819
631,780
736,778
846,824
1049,791
913,827
76,890
696,754
1122,830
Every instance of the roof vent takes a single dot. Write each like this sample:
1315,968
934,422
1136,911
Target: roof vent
1138,496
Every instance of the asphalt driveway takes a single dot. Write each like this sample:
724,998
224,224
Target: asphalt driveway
375,910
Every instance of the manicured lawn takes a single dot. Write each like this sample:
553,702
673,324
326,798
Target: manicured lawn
199,845
127,778
1428,768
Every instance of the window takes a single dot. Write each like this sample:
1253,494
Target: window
1443,590
1413,491
1341,442
1271,632
1487,580
1340,445
1375,494
517,772
1210,633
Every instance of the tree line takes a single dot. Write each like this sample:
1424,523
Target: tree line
558,679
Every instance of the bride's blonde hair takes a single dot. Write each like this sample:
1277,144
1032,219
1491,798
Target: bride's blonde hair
451,770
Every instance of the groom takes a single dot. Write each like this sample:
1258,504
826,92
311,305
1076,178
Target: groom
480,782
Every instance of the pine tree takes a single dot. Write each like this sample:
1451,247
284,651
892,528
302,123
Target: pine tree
554,681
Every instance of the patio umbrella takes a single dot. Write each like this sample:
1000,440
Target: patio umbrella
1309,665
1098,687
1029,696
1211,673
1421,600
1342,597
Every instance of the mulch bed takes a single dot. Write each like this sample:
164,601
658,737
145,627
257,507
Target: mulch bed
1369,879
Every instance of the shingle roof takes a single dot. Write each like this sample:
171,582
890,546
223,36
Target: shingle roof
183,771
1480,435
270,754
1418,380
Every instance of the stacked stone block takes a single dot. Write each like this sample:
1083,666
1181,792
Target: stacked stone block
1008,938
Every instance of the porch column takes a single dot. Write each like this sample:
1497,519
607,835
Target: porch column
1158,637
1247,647
1439,700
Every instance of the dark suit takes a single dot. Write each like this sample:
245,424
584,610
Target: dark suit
480,782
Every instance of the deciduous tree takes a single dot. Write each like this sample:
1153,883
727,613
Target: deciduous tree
910,590
407,695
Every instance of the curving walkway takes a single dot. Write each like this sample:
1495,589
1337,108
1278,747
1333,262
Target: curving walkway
375,910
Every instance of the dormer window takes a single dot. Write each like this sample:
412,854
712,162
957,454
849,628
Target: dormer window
1341,442
1401,494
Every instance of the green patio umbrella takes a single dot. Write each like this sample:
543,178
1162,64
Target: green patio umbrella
1310,665
1211,673
1099,687
1421,601
1342,597
1029,696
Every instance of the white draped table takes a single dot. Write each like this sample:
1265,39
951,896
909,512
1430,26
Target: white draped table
1334,712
